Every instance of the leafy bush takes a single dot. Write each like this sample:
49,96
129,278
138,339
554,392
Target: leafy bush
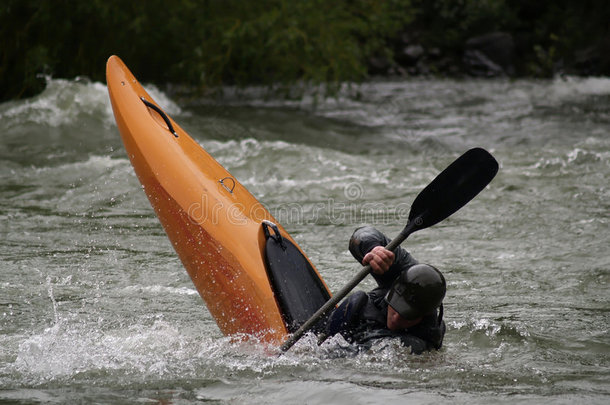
206,43
198,42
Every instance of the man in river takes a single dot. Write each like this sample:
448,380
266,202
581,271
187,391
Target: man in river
407,303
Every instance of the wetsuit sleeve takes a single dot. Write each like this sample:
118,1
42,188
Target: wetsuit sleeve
364,239
347,315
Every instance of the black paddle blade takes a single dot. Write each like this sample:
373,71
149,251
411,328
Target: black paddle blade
459,183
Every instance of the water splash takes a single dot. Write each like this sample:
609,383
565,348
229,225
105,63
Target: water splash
112,313
566,87
66,102
62,102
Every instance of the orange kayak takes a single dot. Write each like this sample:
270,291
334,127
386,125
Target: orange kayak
213,222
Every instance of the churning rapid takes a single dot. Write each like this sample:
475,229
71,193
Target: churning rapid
96,306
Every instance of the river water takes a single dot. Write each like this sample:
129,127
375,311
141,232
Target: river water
96,307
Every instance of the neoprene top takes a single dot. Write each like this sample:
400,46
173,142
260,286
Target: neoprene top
361,318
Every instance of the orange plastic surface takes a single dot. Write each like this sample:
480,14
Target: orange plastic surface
214,227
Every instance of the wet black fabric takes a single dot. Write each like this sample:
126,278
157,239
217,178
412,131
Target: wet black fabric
364,239
371,325
297,287
347,316
361,318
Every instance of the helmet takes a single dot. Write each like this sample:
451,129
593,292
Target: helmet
417,291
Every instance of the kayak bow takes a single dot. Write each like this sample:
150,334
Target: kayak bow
212,221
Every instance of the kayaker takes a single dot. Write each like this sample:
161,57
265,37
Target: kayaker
407,303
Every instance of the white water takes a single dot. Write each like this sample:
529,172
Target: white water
96,307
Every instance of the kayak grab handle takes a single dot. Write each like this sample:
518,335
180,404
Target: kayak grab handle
222,183
278,237
162,114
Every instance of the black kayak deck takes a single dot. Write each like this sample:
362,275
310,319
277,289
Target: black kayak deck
296,285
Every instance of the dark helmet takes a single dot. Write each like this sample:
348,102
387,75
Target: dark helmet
417,291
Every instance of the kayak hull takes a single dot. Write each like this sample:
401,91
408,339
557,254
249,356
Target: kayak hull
212,221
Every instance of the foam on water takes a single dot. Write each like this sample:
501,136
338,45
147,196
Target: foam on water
62,102
569,86
70,351
95,306
65,102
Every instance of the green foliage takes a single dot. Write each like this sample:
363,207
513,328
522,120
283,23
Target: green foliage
197,42
282,40
212,42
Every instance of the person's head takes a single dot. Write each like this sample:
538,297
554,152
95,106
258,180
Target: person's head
417,292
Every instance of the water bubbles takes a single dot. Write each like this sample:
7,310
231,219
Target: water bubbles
113,307
581,156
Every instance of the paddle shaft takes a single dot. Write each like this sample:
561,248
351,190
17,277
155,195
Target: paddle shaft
411,226
459,183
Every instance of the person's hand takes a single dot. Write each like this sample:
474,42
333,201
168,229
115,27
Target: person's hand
380,259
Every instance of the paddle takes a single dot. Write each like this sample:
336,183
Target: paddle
459,183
